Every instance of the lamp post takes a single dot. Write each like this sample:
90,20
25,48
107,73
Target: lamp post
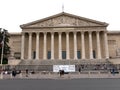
2,52
115,47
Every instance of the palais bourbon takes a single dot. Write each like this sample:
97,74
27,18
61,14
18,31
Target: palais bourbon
64,39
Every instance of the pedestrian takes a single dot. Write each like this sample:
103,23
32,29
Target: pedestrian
14,73
26,72
60,73
79,69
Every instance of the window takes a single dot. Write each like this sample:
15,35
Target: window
63,54
34,54
111,42
17,55
94,54
49,55
78,54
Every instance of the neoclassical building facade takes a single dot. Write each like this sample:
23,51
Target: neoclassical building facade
64,36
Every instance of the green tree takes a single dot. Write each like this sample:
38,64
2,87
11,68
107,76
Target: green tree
4,40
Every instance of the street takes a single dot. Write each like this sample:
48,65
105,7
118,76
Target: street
60,84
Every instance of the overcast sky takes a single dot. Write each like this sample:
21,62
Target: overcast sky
14,13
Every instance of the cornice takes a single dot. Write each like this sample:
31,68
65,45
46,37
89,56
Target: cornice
114,32
15,33
62,27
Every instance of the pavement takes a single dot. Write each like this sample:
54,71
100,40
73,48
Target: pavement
75,75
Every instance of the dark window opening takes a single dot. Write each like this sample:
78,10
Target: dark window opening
49,55
63,54
17,55
94,54
34,54
78,54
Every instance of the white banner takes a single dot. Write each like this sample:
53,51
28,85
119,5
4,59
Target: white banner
66,68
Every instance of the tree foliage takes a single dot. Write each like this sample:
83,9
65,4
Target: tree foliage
4,45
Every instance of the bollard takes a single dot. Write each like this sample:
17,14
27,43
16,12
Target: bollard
69,76
89,74
99,75
20,75
109,74
11,75
39,74
1,75
49,73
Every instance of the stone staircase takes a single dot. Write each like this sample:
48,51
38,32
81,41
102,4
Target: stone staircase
47,65
61,62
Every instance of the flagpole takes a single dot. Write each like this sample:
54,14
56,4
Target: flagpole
2,47
62,7
2,54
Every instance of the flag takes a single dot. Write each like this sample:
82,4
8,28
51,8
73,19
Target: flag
1,43
62,7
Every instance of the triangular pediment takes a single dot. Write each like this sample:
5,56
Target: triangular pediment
63,20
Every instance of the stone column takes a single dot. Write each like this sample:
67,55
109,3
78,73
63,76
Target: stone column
98,46
83,45
30,46
67,44
60,46
75,46
37,45
22,45
45,44
90,45
52,45
106,45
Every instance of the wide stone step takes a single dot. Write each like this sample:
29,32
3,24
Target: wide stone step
48,62
61,62
47,65
34,67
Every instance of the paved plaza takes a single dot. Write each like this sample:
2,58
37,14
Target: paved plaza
52,75
60,84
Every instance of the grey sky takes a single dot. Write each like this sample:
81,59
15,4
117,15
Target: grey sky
17,12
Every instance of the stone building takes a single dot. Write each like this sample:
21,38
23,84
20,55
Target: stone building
64,37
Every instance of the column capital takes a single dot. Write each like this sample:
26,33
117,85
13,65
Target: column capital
105,32
52,32
23,33
97,31
59,32
75,32
44,33
82,32
67,32
37,32
30,33
90,32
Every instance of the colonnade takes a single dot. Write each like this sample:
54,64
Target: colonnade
83,56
